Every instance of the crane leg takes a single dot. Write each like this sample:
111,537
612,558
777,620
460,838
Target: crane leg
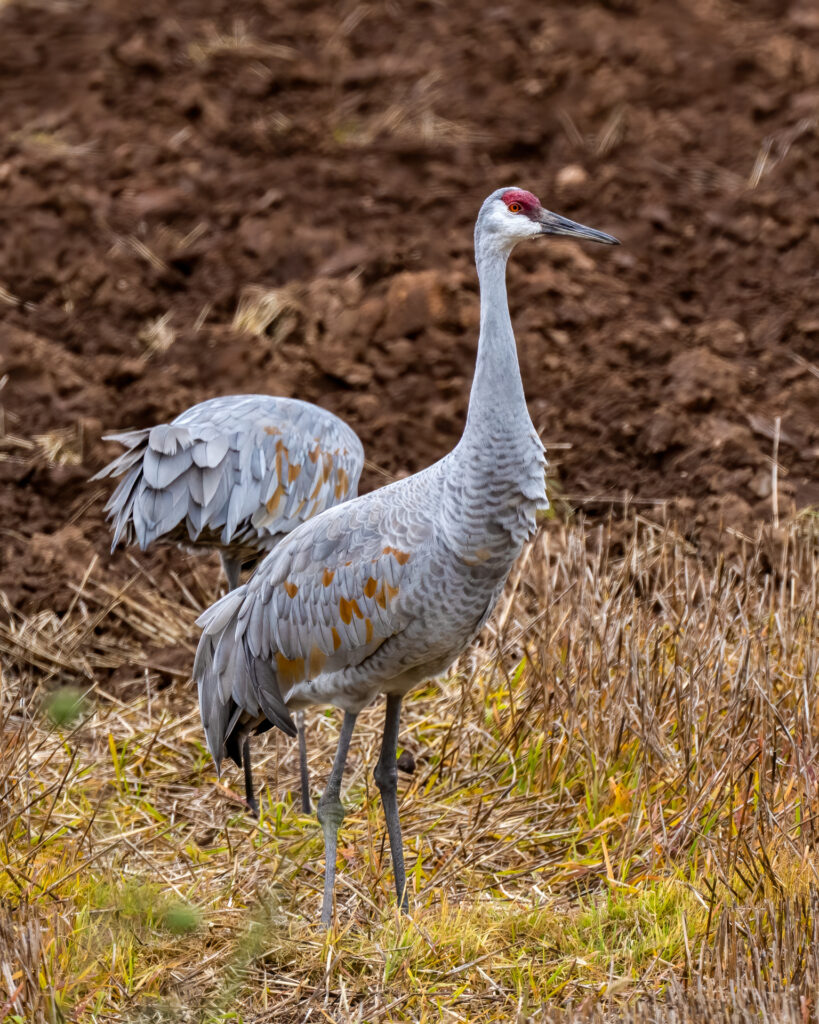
386,778
252,802
232,568
331,814
305,774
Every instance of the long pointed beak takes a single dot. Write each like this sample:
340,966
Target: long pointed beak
554,224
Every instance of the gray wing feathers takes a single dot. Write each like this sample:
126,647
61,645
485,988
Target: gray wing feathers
166,438
162,469
129,438
246,468
308,610
231,681
123,501
210,453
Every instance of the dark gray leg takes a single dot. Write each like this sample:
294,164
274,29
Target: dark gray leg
249,795
386,778
232,568
331,815
305,774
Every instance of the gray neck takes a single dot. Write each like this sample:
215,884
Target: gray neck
497,470
497,399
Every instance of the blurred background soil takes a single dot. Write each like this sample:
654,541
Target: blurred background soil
204,198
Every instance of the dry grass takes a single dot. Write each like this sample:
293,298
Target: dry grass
238,43
611,818
411,119
158,335
271,311
62,447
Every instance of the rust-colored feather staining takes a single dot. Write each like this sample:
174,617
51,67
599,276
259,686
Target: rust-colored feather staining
477,558
290,670
402,557
317,661
336,638
314,454
273,502
293,472
343,483
316,489
272,430
291,589
370,587
386,593
327,577
347,609
327,468
369,627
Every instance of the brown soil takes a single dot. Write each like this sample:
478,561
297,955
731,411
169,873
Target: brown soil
158,159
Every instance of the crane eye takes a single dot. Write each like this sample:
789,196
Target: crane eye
515,207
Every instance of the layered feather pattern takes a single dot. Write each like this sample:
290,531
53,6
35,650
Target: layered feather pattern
236,472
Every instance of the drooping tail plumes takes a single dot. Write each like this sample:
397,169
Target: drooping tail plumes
235,688
128,465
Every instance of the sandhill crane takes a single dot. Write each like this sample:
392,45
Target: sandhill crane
234,474
385,591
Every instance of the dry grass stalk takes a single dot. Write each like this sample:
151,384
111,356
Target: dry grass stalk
158,335
61,447
775,148
410,119
239,43
9,298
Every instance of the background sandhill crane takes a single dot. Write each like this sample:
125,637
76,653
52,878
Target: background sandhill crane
385,591
234,474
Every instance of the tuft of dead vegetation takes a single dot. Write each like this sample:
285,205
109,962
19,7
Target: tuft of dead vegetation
612,815
158,335
237,43
411,120
267,311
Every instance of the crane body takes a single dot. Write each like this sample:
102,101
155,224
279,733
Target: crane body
379,594
234,474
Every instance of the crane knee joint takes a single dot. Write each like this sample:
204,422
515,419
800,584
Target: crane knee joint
386,776
330,812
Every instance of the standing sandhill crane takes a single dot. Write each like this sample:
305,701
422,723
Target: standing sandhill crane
383,592
235,474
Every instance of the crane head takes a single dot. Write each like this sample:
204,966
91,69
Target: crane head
511,215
